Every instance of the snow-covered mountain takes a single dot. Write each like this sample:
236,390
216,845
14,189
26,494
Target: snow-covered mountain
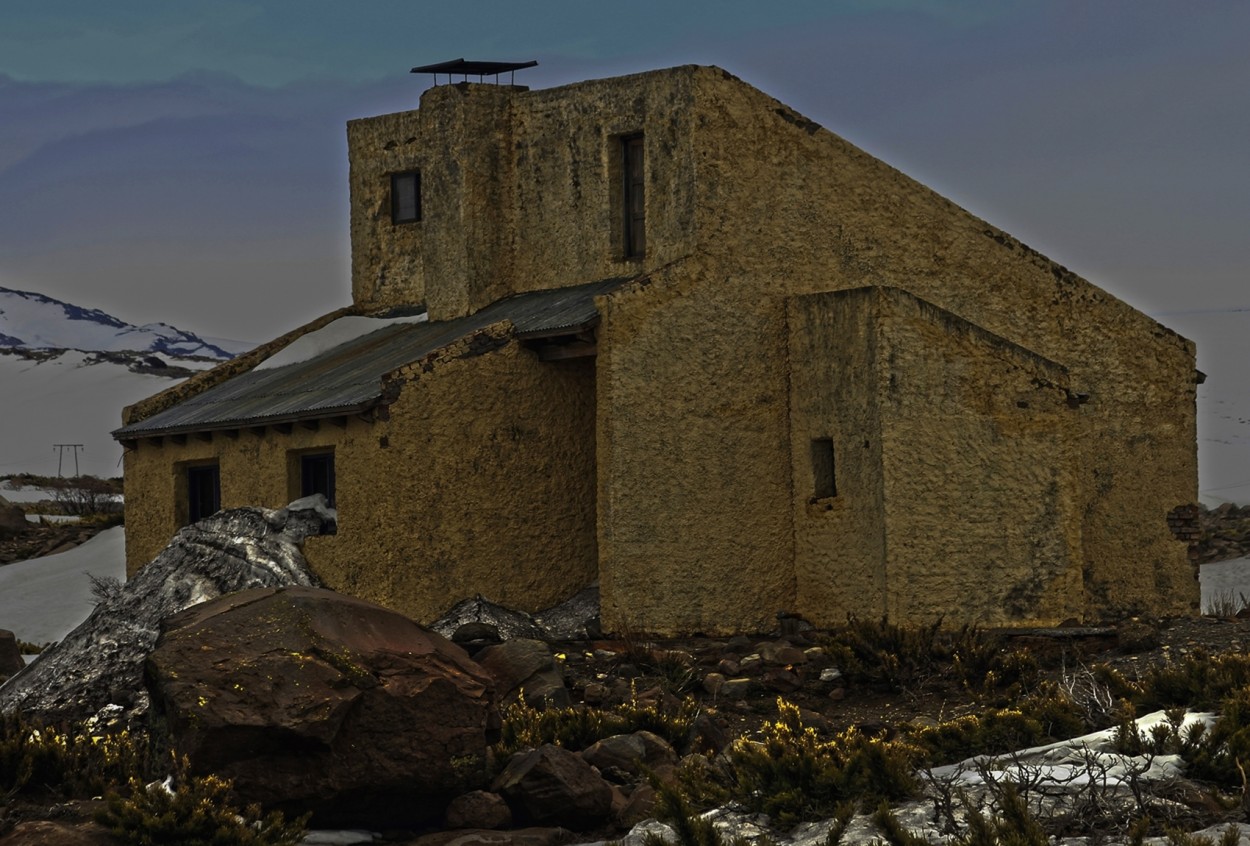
66,372
36,322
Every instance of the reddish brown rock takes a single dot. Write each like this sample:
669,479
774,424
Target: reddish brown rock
478,809
311,700
47,833
552,786
525,666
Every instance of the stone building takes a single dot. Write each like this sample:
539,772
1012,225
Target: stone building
679,339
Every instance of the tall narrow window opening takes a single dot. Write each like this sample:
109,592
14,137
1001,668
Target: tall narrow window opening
316,473
203,491
635,197
406,197
823,469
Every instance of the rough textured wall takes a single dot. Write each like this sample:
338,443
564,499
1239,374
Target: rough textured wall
569,204
839,541
255,469
482,481
776,192
520,190
693,457
387,267
978,436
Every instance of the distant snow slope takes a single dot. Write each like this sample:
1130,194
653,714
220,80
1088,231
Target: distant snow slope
34,321
66,400
76,396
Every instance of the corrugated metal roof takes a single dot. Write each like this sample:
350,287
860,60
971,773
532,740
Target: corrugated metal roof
347,378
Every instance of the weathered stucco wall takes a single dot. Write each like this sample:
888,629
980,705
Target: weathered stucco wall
839,541
775,192
693,458
520,190
977,442
482,481
254,467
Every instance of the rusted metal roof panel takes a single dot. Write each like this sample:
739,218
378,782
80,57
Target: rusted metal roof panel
347,378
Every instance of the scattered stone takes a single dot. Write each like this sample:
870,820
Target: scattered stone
526,666
628,755
550,785
752,663
639,806
713,682
478,809
49,833
781,654
830,674
594,693
781,680
484,837
315,701
729,667
737,688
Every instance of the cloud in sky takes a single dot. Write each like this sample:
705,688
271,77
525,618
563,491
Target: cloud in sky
168,161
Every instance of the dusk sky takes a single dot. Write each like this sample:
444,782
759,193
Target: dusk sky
185,161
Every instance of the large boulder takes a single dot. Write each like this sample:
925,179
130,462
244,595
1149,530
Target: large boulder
314,701
101,662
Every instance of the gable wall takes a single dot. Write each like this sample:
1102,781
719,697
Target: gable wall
786,205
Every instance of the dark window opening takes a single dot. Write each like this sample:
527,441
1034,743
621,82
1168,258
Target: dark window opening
824,480
406,197
635,197
203,492
316,474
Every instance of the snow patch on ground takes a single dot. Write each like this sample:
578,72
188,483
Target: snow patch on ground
330,336
44,599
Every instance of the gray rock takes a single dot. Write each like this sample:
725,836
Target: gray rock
10,656
12,518
101,661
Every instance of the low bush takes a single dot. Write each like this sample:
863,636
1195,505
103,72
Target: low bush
792,774
71,761
579,726
194,811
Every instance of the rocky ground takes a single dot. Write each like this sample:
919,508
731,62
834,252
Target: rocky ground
736,683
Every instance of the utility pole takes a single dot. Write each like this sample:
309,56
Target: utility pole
62,448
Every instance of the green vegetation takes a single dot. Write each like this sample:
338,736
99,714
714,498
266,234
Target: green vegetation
66,761
195,812
579,726
793,774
